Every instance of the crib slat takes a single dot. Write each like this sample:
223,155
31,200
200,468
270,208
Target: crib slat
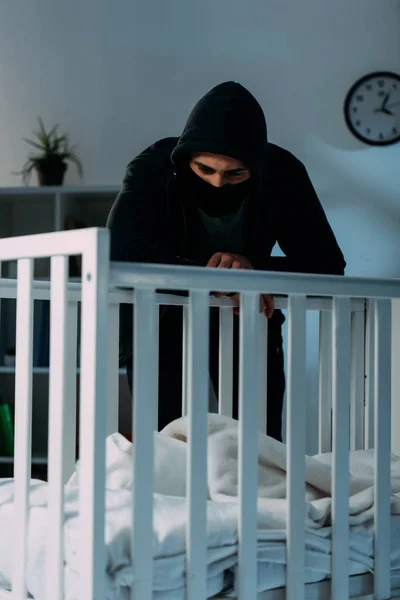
341,435
57,409
70,393
225,383
23,421
185,343
382,310
325,381
144,393
249,379
262,400
113,369
370,376
93,414
156,368
357,381
198,389
296,444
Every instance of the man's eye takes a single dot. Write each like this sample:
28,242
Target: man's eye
206,171
238,174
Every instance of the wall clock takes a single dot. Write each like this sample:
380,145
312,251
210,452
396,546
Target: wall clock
372,109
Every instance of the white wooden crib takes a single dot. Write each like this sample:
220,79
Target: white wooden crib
354,410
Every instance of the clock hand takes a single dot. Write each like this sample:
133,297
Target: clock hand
384,108
394,104
386,100
383,105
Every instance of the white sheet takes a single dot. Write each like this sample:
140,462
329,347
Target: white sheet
223,476
169,532
170,516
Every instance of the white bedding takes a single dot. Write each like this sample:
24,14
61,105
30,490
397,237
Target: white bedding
170,516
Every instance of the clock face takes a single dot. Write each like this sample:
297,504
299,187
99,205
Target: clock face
372,109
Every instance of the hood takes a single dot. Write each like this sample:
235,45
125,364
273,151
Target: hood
228,120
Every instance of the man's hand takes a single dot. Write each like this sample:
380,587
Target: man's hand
266,304
228,260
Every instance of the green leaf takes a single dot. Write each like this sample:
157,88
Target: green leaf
42,128
52,146
52,131
34,144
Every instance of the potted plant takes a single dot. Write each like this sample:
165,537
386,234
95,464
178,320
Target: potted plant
51,162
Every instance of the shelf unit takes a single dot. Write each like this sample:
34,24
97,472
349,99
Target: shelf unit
40,371
91,203
36,460
33,210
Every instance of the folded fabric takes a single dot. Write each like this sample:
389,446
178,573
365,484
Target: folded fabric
169,542
170,516
223,443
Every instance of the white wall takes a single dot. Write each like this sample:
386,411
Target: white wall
118,75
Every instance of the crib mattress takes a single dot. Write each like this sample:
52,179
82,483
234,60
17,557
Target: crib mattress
170,518
169,565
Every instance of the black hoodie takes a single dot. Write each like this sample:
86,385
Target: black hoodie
228,121
151,221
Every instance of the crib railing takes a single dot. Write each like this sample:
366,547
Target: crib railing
348,307
323,306
93,246
297,288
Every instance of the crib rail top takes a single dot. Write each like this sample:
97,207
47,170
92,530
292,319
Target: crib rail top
94,243
41,291
231,280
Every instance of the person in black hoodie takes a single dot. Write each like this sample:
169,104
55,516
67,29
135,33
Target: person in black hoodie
222,196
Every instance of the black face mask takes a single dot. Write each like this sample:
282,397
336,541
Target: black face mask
212,200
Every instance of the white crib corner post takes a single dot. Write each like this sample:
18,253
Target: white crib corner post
296,444
93,412
382,320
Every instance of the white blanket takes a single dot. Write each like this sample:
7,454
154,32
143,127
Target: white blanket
169,542
170,516
223,476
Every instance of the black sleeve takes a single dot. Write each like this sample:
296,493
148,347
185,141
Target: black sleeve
304,233
138,217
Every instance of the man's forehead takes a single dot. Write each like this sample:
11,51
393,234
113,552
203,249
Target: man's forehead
219,162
